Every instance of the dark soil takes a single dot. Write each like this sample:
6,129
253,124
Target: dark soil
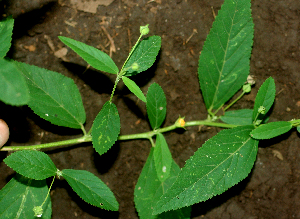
272,190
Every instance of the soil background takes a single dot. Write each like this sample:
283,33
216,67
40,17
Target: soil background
271,190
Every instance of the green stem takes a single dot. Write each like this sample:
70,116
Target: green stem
144,135
233,102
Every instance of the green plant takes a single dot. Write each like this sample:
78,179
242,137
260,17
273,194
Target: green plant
220,163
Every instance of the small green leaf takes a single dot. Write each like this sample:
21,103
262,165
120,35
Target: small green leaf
91,189
223,161
53,96
225,58
132,86
162,158
13,87
149,188
144,55
271,130
6,28
264,98
20,195
96,58
298,129
156,105
32,164
106,128
238,117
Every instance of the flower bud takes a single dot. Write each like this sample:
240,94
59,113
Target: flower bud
262,110
144,30
247,88
135,66
38,211
180,122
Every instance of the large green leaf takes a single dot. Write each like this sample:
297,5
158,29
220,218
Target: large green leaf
6,28
53,96
132,86
144,55
32,164
224,60
106,128
96,58
264,98
156,105
91,189
238,117
13,87
162,158
223,161
149,188
271,130
20,195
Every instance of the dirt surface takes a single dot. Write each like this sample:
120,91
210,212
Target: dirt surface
272,189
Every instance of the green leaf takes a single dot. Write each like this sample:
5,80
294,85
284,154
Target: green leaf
298,129
162,158
156,105
223,161
106,128
238,117
149,188
132,86
144,55
225,58
13,87
20,195
271,130
94,57
265,97
91,189
6,28
32,164
53,96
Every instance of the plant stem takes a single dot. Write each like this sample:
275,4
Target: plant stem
233,102
144,135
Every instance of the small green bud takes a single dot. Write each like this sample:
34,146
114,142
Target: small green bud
247,88
38,211
258,122
262,110
135,66
144,30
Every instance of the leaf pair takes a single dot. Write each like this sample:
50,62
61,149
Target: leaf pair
38,166
143,57
264,99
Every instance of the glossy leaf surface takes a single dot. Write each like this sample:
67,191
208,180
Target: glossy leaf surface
53,96
96,58
162,158
20,195
238,117
149,188
156,105
106,128
265,98
6,29
13,87
144,55
225,57
91,189
32,164
132,86
223,161
271,130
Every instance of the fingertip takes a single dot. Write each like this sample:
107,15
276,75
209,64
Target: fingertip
4,132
